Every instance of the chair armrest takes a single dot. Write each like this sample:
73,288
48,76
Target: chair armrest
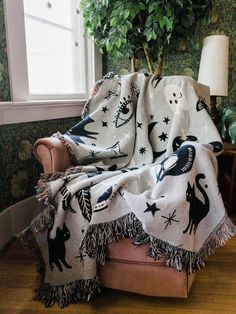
52,154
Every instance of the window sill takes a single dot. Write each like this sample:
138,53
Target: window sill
28,111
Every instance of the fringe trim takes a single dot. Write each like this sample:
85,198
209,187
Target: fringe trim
43,214
29,243
94,243
43,220
99,235
43,191
84,289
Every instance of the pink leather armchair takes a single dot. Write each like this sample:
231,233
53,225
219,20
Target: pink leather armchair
127,268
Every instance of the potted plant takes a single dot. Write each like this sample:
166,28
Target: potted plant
144,29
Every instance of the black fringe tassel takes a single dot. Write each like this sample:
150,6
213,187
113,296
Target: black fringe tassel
94,244
84,290
63,295
128,226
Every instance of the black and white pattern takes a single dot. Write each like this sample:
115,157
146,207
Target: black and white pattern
84,200
125,112
178,163
146,169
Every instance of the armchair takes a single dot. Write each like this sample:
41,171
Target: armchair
146,170
126,268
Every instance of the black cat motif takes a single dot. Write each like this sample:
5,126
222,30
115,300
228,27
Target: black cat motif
197,210
57,249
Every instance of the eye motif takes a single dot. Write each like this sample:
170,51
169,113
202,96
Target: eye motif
175,98
125,112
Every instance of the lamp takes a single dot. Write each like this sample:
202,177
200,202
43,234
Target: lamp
213,70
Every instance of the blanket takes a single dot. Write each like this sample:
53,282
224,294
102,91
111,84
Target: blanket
145,167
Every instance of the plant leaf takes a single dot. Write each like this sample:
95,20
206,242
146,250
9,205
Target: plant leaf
84,200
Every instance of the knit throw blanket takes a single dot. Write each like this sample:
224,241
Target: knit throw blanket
145,168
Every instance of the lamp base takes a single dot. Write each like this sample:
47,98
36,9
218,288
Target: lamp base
215,114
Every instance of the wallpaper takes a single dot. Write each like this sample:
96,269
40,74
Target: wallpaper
4,77
19,170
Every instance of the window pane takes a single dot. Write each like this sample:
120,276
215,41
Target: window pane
55,11
55,48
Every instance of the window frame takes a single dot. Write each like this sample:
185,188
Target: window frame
18,73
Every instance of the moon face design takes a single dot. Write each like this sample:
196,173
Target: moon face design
175,98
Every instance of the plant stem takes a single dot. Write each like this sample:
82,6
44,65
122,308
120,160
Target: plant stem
133,63
148,58
159,61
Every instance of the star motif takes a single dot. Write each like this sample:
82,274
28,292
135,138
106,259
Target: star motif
92,155
151,116
66,179
81,257
163,136
151,208
110,94
166,120
170,219
142,150
139,125
104,109
104,124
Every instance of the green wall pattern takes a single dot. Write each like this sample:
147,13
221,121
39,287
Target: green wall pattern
4,77
19,170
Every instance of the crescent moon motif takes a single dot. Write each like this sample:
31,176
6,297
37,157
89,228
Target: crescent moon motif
150,128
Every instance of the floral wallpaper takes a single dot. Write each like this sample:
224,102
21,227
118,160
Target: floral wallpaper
19,170
4,77
186,61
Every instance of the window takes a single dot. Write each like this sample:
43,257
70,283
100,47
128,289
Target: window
48,55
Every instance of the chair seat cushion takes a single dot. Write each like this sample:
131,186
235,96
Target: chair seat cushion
125,251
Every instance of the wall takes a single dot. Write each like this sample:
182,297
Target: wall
19,169
186,60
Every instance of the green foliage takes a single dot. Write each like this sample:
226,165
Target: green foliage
123,28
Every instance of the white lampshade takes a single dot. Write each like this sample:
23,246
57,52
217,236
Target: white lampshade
213,69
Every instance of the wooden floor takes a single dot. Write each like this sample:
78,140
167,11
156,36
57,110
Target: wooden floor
213,292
